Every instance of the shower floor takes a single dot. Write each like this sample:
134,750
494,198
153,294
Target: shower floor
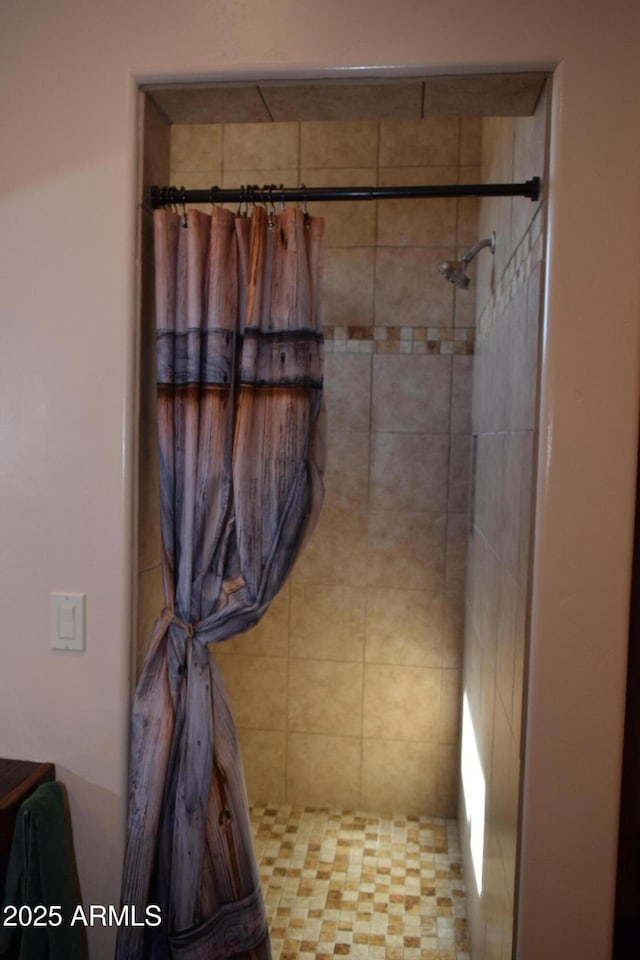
355,885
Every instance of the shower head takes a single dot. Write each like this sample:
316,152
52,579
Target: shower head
455,270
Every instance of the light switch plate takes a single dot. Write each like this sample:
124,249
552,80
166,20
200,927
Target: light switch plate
67,621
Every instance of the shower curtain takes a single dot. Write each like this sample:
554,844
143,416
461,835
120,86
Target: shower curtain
239,369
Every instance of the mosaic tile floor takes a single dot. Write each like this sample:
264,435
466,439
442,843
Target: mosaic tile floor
360,886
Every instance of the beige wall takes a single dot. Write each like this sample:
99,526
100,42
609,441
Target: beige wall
504,421
67,206
355,670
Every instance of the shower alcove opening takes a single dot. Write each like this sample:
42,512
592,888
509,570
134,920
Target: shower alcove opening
387,680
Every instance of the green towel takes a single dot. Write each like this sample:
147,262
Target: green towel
41,873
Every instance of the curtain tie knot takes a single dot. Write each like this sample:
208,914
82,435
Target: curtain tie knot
189,628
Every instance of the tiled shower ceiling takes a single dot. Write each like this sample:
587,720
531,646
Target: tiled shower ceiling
277,100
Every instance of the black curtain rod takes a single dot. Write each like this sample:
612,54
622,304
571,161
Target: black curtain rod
270,193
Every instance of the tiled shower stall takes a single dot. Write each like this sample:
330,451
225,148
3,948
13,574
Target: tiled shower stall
348,695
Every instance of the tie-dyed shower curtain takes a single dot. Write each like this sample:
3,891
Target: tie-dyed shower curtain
239,360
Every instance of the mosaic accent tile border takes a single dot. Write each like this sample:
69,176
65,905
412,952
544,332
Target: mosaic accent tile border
439,340
361,886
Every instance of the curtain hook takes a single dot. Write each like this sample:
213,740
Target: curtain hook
273,213
183,201
264,200
212,195
283,205
305,208
240,201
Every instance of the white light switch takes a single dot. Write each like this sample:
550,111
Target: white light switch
67,621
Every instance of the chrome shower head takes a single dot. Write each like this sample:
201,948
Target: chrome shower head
455,270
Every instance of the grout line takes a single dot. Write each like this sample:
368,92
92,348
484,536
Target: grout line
266,105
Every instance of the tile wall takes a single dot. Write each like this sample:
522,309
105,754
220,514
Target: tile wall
348,693
504,404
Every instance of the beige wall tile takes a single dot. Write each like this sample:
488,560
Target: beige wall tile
150,602
529,160
489,371
520,345
325,696
486,594
343,100
472,667
462,373
497,904
450,707
399,776
323,771
470,141
346,476
409,471
304,661
496,212
257,688
456,562
408,289
348,286
260,146
347,224
526,508
498,94
212,103
484,723
404,627
469,211
196,146
401,703
514,459
347,391
149,533
270,637
336,551
415,223
501,799
411,394
452,632
339,144
406,550
155,161
459,477
488,484
327,622
432,141
505,642
464,310
263,757
531,347
467,228
520,638
448,781
149,530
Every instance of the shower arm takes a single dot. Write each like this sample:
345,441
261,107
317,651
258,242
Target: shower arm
489,242
270,193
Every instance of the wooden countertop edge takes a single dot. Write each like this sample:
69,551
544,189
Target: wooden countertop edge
43,772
